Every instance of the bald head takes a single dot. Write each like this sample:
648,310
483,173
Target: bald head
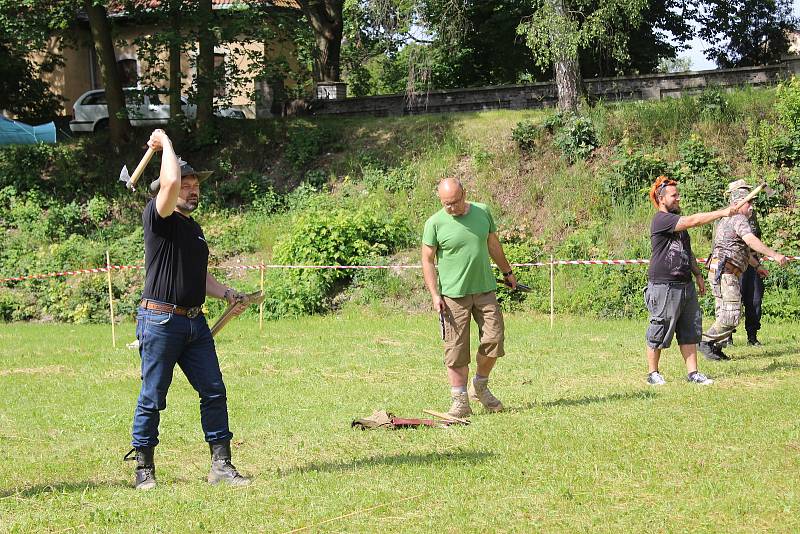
452,196
449,186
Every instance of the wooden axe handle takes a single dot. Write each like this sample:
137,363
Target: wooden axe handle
446,417
750,196
142,164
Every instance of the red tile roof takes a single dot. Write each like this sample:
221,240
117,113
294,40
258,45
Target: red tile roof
291,4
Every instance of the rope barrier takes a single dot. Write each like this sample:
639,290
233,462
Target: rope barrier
96,270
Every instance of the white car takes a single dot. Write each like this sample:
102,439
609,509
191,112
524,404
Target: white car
90,112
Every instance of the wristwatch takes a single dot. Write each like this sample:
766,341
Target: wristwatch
509,273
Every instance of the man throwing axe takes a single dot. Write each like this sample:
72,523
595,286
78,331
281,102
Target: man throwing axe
670,296
170,327
732,253
461,237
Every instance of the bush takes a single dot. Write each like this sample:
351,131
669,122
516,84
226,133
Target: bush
395,179
778,143
267,202
577,138
97,210
780,230
329,237
783,289
768,144
714,105
522,249
316,178
228,234
703,176
64,171
574,136
305,141
525,134
788,105
630,175
557,120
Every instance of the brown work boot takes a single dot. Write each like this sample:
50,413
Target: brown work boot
460,406
222,470
480,392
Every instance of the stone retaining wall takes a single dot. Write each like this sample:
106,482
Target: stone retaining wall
537,95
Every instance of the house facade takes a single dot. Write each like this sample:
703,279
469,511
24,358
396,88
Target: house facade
261,97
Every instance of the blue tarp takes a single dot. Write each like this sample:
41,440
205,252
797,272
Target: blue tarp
19,133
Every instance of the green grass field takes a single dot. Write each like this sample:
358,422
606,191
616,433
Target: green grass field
585,444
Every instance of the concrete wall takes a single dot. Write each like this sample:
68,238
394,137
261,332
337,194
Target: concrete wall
645,87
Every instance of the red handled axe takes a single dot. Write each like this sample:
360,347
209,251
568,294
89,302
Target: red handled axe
130,181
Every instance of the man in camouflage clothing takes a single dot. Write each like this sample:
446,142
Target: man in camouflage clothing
733,250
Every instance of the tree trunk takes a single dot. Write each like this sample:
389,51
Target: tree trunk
175,80
205,72
569,84
325,17
118,123
326,63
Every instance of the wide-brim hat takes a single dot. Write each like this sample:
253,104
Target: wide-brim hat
186,170
738,190
738,184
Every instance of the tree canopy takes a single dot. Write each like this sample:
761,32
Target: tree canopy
26,28
746,32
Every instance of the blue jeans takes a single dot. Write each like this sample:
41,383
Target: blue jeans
166,339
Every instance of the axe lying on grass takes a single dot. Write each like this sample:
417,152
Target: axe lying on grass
447,417
130,180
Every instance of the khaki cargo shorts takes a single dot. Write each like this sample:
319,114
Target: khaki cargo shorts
486,311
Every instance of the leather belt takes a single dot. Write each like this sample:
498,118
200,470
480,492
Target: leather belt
729,268
191,313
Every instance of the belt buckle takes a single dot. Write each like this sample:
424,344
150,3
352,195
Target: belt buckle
193,312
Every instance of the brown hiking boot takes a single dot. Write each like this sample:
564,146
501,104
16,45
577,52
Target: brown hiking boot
222,470
481,393
460,406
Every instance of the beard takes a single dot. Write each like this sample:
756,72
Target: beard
188,205
675,211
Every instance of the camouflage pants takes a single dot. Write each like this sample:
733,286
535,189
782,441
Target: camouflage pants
727,306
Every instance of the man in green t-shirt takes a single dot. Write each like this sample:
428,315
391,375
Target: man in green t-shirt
460,238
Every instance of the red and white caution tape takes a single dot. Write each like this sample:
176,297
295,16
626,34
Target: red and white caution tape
338,267
72,273
342,267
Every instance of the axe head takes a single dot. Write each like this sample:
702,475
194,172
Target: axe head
124,176
769,191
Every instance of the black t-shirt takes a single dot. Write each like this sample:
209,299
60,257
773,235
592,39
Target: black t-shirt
672,251
175,258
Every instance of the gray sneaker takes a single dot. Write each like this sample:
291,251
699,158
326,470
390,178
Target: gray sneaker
655,379
699,378
480,393
460,406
